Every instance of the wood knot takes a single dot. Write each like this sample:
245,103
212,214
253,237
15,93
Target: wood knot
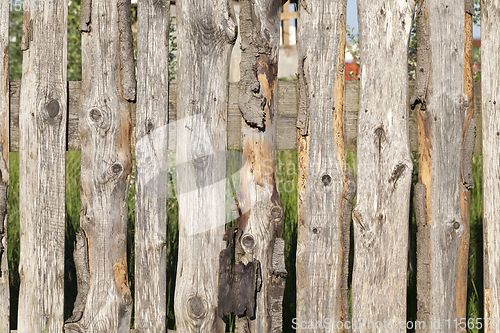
315,231
96,115
248,241
53,108
117,168
326,179
127,299
276,212
196,308
456,225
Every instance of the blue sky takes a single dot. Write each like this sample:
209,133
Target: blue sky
352,19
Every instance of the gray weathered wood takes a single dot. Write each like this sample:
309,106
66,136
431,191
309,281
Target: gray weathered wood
490,76
322,167
384,165
287,113
151,157
258,199
206,34
104,302
4,168
444,104
42,168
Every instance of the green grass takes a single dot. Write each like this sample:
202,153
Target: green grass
287,186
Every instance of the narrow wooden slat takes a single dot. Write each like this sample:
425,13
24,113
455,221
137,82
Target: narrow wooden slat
259,241
104,301
4,167
490,76
42,167
322,181
443,100
287,114
384,168
286,24
288,16
151,161
206,35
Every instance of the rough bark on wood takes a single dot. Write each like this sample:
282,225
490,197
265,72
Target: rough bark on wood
384,165
446,129
42,167
152,174
258,198
105,126
490,77
4,168
322,184
206,34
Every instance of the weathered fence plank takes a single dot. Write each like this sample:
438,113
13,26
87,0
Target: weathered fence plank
490,76
323,240
287,113
104,302
259,241
443,102
4,168
384,165
206,35
152,177
42,167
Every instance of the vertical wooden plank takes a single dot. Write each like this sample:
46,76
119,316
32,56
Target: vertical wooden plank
384,165
286,25
152,177
322,260
444,105
490,89
206,35
42,164
260,240
104,302
4,166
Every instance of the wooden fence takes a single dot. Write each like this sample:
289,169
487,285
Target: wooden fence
241,270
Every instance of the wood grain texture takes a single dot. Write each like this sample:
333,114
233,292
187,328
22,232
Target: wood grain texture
287,116
322,166
152,177
206,35
4,167
384,165
106,166
444,108
261,208
42,167
490,77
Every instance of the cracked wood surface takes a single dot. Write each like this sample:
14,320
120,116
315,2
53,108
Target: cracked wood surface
258,199
206,35
4,170
490,76
322,167
106,165
384,164
445,109
152,176
42,157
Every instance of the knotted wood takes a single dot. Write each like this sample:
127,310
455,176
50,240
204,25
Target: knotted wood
42,168
206,33
106,166
322,242
384,165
